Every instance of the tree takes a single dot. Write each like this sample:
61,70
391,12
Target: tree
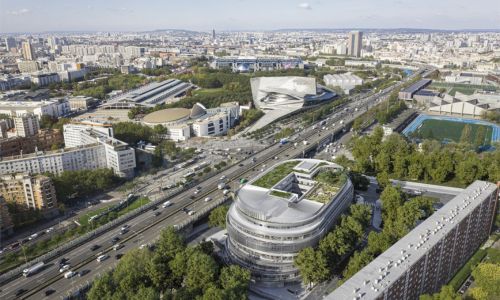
312,266
201,270
214,293
234,280
465,137
487,280
131,273
359,181
356,263
217,216
446,293
391,199
361,213
469,168
383,179
102,288
170,243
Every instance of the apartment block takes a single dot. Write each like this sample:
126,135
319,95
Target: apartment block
34,192
431,254
26,125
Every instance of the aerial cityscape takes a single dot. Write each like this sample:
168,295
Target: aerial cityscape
256,150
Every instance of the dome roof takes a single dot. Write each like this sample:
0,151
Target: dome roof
167,115
197,111
244,68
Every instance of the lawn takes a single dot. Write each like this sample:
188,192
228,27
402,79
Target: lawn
208,91
84,220
274,176
444,130
463,90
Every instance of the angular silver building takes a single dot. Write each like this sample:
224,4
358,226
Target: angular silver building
289,207
280,96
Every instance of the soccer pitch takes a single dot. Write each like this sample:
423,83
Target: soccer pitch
444,130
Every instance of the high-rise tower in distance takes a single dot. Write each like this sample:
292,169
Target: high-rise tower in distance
355,43
28,52
213,34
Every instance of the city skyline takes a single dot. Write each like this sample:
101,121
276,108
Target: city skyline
32,16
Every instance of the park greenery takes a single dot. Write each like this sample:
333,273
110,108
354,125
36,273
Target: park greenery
72,185
217,217
172,271
101,87
395,157
284,133
49,122
318,264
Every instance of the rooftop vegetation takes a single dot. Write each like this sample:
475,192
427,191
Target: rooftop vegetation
274,176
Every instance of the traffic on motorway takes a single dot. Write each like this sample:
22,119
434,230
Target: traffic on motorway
58,278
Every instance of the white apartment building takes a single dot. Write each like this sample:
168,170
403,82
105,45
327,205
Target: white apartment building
26,125
54,108
88,147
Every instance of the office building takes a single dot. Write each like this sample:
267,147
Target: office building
44,79
27,51
6,225
27,66
355,43
81,102
409,92
10,43
182,123
32,192
254,64
273,219
430,255
346,81
26,125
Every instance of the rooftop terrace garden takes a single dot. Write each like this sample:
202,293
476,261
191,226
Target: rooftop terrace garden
274,176
328,183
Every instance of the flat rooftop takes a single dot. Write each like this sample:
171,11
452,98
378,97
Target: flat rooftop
396,260
283,193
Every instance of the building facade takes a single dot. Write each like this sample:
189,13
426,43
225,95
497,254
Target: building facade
355,43
254,64
429,255
26,125
268,226
27,51
53,108
32,192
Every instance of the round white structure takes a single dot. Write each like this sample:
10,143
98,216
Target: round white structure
280,212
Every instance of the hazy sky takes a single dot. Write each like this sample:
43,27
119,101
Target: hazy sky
203,15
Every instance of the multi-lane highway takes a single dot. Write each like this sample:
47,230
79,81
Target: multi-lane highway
146,227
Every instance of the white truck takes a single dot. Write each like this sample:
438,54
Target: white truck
33,269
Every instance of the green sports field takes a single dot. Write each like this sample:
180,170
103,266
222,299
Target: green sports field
444,130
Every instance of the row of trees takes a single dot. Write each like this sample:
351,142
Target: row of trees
317,265
171,271
76,184
100,88
395,157
399,215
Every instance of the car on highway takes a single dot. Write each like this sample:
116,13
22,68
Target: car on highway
102,257
208,199
69,274
33,236
125,227
118,256
191,212
154,208
196,192
64,268
225,192
223,177
63,261
49,292
115,240
19,292
83,272
192,197
166,204
156,213
117,246
95,247
48,230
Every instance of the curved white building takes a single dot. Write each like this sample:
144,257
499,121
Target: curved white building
289,207
183,123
